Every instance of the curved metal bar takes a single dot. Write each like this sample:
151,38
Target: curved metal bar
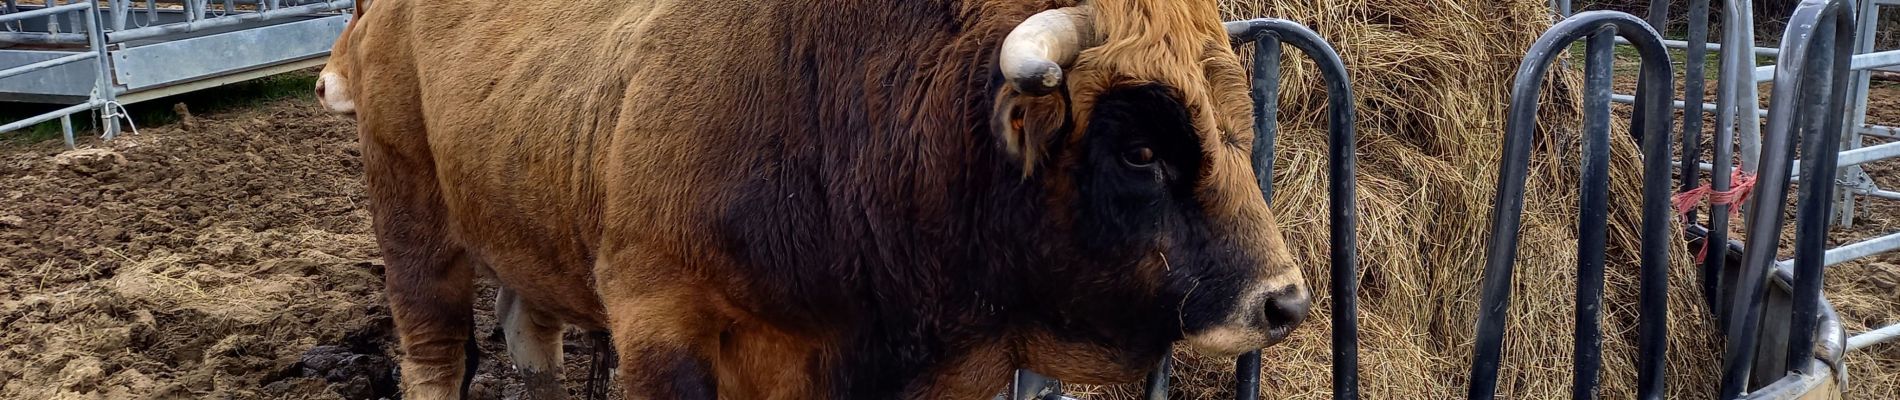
1267,33
1808,100
1651,123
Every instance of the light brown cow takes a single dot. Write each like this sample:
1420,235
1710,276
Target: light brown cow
796,199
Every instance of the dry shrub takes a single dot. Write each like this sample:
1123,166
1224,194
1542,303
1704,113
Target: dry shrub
1432,80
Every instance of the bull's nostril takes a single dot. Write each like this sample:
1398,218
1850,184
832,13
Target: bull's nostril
1287,310
320,90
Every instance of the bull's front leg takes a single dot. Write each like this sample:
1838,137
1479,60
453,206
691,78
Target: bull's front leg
663,329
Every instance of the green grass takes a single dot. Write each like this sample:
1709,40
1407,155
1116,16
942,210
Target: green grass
1628,61
158,112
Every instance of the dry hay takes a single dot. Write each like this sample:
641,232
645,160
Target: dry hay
1432,79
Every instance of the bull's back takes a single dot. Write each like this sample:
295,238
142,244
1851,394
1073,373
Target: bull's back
561,128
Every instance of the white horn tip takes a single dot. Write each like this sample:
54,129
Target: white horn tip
1037,77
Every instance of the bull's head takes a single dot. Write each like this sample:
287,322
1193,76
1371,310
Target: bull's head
1135,117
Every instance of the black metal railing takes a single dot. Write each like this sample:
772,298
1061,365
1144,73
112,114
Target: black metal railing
1267,36
1808,102
1650,124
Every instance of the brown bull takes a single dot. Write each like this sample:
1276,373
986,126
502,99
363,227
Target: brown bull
796,199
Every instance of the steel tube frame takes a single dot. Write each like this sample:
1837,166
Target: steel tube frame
1846,158
1652,124
1855,251
1809,95
1889,195
1706,46
225,21
102,96
69,110
1873,337
29,68
1861,62
194,25
44,12
1681,105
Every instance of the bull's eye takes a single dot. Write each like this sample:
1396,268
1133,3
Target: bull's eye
1140,156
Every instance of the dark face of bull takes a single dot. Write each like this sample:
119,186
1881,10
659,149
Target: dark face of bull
1145,139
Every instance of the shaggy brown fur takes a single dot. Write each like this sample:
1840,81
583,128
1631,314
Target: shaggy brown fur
794,199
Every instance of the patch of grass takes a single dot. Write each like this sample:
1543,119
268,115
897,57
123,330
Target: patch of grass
159,112
1628,61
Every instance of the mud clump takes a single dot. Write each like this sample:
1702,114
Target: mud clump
350,375
97,163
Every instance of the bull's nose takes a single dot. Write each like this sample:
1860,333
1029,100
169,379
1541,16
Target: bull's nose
1286,311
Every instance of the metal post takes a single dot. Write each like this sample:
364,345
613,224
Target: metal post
121,10
9,7
1593,201
103,89
1737,94
1157,388
1819,160
1341,172
1692,90
66,130
1266,107
1868,13
1723,146
52,20
1659,15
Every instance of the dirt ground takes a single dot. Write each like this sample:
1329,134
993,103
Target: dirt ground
230,257
227,257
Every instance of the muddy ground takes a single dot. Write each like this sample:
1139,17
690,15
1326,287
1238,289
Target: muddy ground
229,256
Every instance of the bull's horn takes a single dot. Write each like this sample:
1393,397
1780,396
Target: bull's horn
1036,51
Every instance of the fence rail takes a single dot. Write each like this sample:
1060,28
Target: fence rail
102,94
160,55
1651,124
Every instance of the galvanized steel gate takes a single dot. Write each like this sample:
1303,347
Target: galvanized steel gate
99,54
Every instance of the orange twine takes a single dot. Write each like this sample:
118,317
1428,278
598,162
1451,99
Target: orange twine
1740,185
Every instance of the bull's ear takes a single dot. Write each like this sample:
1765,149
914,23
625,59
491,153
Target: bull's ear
1026,124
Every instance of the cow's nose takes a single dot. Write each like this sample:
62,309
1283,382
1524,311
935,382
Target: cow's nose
1285,311
320,96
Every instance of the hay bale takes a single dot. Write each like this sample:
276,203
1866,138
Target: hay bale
1432,80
